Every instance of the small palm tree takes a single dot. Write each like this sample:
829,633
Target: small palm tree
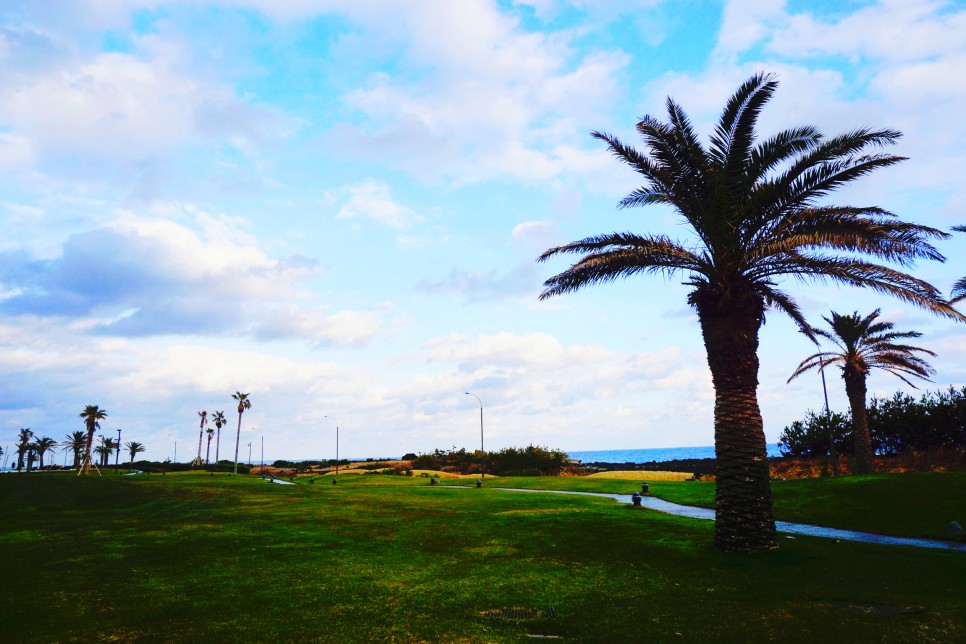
220,421
92,416
201,433
105,449
42,446
134,448
959,288
756,212
862,345
23,446
243,404
75,443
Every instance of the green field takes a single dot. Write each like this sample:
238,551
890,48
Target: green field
381,558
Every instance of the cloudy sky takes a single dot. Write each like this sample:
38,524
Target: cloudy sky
335,206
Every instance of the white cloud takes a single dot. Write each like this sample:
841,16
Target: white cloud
373,199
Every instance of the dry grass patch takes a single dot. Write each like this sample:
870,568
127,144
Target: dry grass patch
639,475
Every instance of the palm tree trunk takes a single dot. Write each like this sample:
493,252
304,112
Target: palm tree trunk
855,390
744,521
237,440
86,466
201,434
217,444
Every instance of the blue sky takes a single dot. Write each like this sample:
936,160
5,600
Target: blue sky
336,206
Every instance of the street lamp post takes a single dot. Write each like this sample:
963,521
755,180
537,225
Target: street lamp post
833,455
482,452
249,455
336,448
117,456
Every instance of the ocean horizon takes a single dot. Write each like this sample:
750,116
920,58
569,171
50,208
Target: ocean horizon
656,454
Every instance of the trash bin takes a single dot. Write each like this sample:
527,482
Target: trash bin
636,499
644,488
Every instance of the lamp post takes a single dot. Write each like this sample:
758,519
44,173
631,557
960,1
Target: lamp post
249,455
336,448
263,454
482,452
828,424
117,456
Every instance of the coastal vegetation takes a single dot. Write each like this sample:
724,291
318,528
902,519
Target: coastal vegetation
191,556
756,213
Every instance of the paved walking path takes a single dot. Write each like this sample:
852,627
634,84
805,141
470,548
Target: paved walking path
691,512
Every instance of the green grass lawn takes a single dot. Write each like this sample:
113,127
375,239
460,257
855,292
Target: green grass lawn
380,558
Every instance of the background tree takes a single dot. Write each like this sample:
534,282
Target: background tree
959,288
75,442
201,433
864,344
134,448
243,404
104,449
753,209
92,416
219,420
211,434
42,446
23,442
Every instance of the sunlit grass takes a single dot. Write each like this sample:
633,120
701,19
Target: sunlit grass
636,475
384,558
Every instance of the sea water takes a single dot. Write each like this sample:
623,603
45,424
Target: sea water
659,454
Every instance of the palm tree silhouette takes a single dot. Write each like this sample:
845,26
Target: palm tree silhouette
219,420
201,433
23,445
753,210
134,448
75,443
862,345
243,404
42,446
92,414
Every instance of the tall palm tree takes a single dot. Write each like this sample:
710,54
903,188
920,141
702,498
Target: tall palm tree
864,344
23,445
220,421
201,433
211,434
243,404
753,210
92,414
42,446
959,288
134,448
75,443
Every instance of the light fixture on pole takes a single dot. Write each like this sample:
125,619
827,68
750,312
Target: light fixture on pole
336,448
118,455
482,452
249,455
833,455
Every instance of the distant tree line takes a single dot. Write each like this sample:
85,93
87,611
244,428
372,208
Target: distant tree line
509,461
898,425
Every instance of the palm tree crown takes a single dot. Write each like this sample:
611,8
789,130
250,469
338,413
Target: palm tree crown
134,448
75,443
863,344
754,210
220,421
23,445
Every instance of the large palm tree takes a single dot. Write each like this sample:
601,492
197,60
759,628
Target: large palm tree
201,433
753,210
220,421
863,344
134,448
92,414
75,443
243,404
23,445
42,446
959,288
211,434
105,448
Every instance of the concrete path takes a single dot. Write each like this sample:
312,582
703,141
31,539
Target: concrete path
691,512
